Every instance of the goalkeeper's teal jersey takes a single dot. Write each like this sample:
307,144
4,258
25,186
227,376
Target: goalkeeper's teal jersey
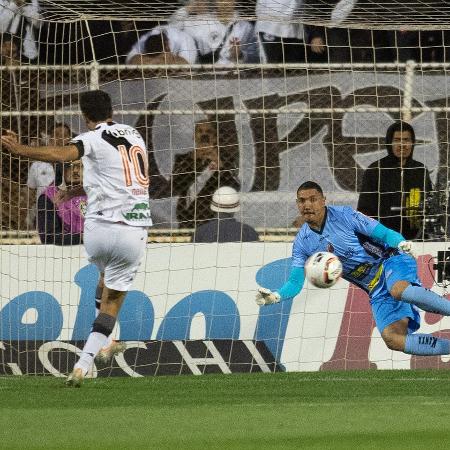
345,232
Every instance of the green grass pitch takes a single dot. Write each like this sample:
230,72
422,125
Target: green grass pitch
326,410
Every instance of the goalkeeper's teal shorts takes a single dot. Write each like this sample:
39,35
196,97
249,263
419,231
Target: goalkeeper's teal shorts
385,309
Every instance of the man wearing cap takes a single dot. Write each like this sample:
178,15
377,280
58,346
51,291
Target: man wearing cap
224,227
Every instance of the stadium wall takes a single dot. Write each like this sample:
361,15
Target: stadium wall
204,292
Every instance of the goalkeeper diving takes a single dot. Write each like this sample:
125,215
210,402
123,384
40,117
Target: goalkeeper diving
376,259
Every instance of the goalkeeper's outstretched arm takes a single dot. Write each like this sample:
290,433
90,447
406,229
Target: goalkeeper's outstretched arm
289,289
392,238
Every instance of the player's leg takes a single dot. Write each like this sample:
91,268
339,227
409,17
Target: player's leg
403,284
394,335
97,251
112,347
110,305
99,293
101,329
397,321
397,338
119,250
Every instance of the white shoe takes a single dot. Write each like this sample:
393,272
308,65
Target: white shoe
75,379
106,353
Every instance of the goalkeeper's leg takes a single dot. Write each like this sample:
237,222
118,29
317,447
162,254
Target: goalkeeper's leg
403,284
397,338
421,297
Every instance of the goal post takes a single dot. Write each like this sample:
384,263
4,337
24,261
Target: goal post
272,126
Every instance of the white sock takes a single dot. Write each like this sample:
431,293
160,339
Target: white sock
108,341
93,345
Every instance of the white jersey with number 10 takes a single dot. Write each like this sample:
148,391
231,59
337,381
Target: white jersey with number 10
115,174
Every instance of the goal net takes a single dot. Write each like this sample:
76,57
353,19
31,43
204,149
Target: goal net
312,102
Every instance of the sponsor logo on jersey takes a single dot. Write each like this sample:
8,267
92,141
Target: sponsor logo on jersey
118,132
140,211
139,191
359,272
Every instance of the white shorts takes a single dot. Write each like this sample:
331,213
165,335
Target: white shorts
116,249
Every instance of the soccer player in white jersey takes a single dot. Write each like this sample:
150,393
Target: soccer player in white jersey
375,258
116,181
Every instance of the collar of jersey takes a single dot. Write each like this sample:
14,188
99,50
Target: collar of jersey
323,223
106,123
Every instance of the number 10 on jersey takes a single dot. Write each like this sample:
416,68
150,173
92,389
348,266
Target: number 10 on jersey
138,159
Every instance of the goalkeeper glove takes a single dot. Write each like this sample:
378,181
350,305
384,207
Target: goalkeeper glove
266,297
406,247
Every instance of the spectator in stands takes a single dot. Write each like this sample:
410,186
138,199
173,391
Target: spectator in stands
61,222
369,45
350,44
394,188
196,175
41,174
112,40
164,45
220,35
282,38
21,18
224,227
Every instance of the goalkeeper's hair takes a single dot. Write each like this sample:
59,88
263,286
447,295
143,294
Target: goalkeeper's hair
96,105
310,185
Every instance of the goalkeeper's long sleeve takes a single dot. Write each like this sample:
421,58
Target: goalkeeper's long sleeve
386,235
294,283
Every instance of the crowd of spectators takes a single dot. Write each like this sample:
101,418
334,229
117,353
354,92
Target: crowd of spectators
213,32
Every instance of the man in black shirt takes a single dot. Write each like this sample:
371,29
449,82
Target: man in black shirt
394,187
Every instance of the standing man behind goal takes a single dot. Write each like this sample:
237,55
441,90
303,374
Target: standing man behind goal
118,213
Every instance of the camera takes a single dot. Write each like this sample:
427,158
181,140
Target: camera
434,218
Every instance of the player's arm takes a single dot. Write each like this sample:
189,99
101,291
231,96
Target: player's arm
10,142
392,238
289,289
386,235
377,231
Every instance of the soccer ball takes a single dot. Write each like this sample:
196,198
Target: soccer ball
323,269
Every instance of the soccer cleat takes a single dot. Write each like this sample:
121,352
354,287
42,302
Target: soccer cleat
75,379
106,353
